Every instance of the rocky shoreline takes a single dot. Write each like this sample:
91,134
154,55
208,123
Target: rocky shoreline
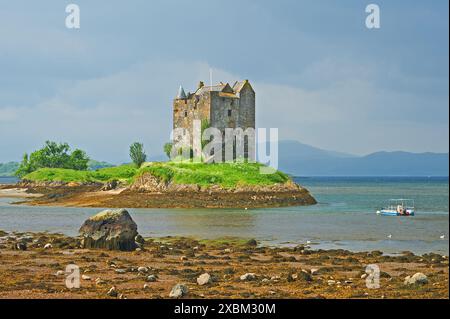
33,265
112,260
150,192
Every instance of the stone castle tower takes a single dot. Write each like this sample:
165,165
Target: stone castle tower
222,105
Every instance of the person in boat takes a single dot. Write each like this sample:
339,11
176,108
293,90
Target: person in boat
400,210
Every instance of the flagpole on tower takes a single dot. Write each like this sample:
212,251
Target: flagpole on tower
210,77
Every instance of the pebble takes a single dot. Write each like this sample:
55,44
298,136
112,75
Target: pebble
99,281
331,282
60,273
21,246
227,250
85,277
265,280
248,276
204,279
314,271
178,291
363,276
146,286
275,278
112,292
48,246
120,271
151,278
142,269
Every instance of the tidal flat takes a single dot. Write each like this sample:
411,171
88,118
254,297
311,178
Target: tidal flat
237,268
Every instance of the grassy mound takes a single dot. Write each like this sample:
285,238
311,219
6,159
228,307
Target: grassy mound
225,174
123,173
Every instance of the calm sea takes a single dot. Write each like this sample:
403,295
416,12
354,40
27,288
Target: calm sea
344,218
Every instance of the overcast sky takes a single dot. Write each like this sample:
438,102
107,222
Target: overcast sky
319,74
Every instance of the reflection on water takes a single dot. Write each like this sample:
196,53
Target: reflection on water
344,218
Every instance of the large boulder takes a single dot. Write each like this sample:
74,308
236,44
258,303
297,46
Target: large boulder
112,229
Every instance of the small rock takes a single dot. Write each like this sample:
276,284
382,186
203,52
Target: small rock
204,279
265,280
120,271
20,246
60,273
314,271
304,276
138,249
252,242
139,239
331,282
112,292
48,246
183,258
142,269
275,278
227,250
85,277
146,286
248,277
178,291
417,279
151,278
363,276
99,281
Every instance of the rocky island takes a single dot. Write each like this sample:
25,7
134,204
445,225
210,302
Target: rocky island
161,184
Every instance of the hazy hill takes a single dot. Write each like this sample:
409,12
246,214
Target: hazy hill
305,160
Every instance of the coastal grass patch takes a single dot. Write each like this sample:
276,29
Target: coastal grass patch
226,175
123,173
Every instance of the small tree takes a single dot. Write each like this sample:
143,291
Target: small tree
137,154
168,149
53,155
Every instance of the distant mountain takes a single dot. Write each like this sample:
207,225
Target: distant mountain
94,165
305,160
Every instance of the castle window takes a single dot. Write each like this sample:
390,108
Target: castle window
229,112
185,113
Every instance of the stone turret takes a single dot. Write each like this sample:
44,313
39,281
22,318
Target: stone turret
181,94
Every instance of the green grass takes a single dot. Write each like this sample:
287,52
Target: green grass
227,175
123,173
